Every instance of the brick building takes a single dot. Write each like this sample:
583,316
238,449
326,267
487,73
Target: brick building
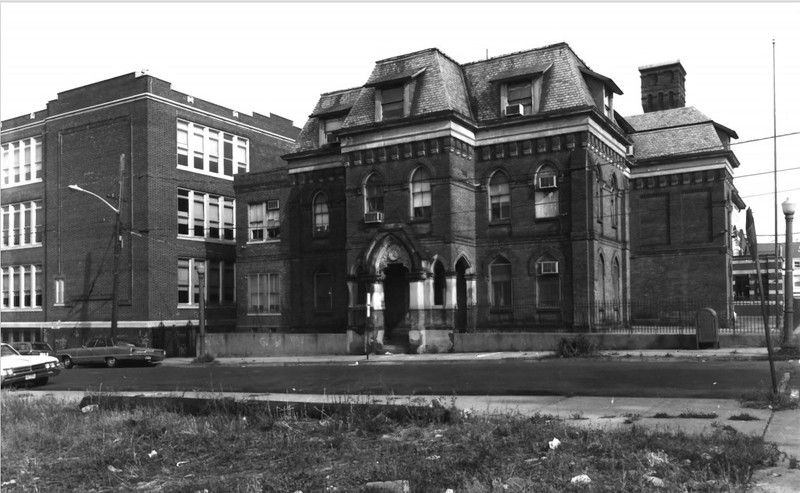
504,194
177,208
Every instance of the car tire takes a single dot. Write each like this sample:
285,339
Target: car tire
111,362
67,362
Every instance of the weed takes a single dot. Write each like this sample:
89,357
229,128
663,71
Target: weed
203,358
579,346
743,417
663,416
690,414
765,399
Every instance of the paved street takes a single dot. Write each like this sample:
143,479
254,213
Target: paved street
633,377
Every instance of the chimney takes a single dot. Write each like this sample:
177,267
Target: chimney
663,86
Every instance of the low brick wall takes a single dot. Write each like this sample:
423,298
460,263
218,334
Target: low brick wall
278,344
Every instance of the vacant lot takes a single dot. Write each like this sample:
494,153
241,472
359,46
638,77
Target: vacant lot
50,446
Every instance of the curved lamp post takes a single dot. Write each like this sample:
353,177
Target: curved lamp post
788,281
117,243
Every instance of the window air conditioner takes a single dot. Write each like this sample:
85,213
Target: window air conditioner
549,267
514,109
273,204
373,217
547,181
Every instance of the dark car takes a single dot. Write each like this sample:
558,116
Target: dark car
109,351
31,369
41,348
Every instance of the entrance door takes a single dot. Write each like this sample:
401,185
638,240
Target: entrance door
461,296
395,291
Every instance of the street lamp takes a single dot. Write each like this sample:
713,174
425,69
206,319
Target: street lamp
788,288
201,277
117,242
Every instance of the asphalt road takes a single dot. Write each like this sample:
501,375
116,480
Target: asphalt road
589,377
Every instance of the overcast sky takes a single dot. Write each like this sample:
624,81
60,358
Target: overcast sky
279,57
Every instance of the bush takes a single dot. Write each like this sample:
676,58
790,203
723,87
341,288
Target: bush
575,348
204,358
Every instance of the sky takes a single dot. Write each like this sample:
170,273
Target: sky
277,58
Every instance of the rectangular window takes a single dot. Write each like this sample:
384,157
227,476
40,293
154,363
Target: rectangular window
21,287
198,150
255,221
59,291
263,294
548,289
218,282
264,220
329,126
392,99
21,162
501,285
520,93
22,224
210,216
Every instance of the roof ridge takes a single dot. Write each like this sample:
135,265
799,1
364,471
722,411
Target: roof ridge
338,91
541,48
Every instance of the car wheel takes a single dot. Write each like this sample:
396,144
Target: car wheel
111,362
67,362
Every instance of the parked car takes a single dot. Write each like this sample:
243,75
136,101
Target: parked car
34,369
109,351
41,348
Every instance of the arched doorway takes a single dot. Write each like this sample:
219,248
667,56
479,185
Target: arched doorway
395,289
461,295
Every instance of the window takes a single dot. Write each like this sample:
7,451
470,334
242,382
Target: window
21,162
420,194
198,150
22,224
614,202
548,283
500,281
264,294
21,287
323,297
210,216
373,194
264,221
59,291
499,196
321,214
546,192
218,282
439,284
392,102
327,129
520,93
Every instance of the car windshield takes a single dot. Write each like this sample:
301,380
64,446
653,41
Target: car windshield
8,351
43,346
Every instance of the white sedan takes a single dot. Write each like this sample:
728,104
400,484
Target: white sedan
32,369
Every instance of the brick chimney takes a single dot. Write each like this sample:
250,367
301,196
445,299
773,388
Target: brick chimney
663,86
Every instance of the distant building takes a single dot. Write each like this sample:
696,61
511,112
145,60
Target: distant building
178,208
504,194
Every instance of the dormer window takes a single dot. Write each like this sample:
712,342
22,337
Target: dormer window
521,90
328,127
392,102
602,90
393,93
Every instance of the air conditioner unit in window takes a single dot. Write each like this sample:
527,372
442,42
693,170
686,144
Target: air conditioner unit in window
547,181
273,204
373,217
548,267
514,109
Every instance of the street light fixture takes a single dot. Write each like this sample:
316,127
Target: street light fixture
788,287
117,242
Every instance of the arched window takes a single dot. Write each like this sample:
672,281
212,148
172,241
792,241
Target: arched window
323,294
548,283
439,285
373,194
614,209
616,278
321,214
500,282
499,196
421,193
546,192
601,278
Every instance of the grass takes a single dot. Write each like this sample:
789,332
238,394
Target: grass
765,399
49,446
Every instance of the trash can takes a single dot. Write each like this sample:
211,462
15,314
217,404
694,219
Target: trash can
707,328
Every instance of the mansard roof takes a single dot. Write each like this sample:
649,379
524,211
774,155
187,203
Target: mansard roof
678,132
470,91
